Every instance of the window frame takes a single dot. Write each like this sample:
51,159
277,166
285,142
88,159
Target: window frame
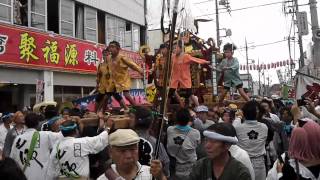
90,28
65,21
11,12
38,14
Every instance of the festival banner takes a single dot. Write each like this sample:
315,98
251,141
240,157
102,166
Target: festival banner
27,48
307,86
138,96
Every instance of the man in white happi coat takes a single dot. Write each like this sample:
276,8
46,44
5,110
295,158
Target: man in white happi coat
35,166
69,158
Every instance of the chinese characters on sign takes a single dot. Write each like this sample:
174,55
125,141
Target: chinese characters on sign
91,57
50,52
3,42
27,46
71,54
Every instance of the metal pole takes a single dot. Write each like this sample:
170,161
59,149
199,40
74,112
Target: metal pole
247,59
301,59
259,71
315,28
217,25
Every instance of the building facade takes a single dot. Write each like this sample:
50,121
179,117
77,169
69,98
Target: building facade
49,49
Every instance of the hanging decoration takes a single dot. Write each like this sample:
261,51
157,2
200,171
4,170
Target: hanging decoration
273,65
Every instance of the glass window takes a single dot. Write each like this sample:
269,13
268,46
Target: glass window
128,37
38,21
67,28
91,24
136,37
38,16
91,35
121,32
111,28
5,10
115,30
67,17
38,6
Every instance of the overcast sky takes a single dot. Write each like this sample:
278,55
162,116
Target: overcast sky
258,25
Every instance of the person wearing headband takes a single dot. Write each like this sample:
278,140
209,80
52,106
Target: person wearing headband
70,157
219,163
181,75
114,77
229,66
201,121
34,166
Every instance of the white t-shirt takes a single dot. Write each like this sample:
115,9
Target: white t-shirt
142,174
40,156
242,156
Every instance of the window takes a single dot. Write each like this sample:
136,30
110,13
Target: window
67,17
90,27
53,15
38,14
111,29
79,21
128,37
136,37
101,27
20,12
121,32
115,30
5,10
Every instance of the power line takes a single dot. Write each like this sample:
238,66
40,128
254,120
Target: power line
265,44
244,8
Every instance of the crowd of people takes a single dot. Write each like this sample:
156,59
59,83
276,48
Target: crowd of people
261,140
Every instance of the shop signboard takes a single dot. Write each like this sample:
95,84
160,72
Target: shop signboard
28,48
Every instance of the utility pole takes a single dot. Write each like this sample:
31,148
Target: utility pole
268,87
315,33
264,82
217,25
247,59
259,71
301,59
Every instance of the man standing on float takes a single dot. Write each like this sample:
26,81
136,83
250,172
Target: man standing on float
113,78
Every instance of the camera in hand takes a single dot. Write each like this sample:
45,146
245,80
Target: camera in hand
301,102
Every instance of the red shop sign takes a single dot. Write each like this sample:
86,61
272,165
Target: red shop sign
28,48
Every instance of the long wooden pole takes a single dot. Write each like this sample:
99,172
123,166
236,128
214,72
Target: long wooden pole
167,73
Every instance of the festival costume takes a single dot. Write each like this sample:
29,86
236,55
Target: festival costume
115,76
70,157
234,169
39,160
252,138
159,71
231,76
181,76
